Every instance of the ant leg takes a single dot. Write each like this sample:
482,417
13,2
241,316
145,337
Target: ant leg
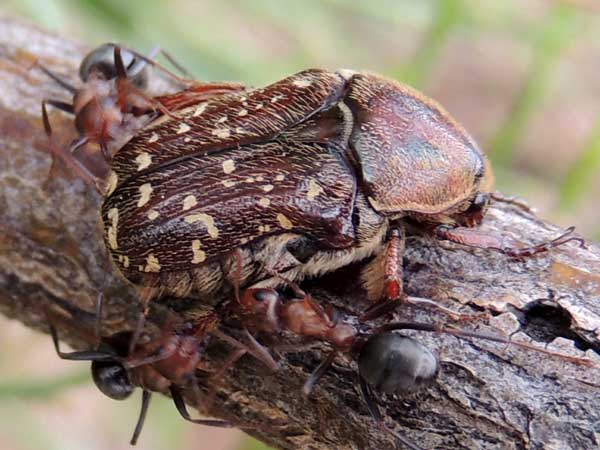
475,238
183,411
99,311
146,293
229,362
89,355
419,326
64,84
318,373
146,397
255,349
58,154
374,411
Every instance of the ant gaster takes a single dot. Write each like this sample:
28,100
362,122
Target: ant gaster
166,365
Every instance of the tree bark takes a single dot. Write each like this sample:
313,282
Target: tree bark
486,396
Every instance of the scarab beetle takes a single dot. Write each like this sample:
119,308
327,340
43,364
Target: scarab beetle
306,175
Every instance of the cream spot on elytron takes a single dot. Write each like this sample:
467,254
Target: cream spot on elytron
259,106
222,133
189,202
111,233
276,98
264,201
267,187
153,138
125,261
249,180
280,177
264,229
228,183
153,214
143,161
208,222
222,119
200,109
199,255
145,192
242,112
314,189
111,183
285,223
260,178
152,264
183,128
302,83
228,166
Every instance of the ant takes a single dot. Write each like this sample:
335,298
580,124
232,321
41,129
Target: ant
388,362
113,104
166,365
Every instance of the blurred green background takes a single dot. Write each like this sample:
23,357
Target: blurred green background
521,75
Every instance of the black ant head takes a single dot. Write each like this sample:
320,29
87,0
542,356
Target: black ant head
112,379
393,363
101,61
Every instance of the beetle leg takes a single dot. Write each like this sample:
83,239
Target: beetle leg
514,201
393,289
475,238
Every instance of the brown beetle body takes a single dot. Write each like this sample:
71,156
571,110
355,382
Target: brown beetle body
306,175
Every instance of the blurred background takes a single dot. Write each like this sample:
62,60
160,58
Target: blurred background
521,75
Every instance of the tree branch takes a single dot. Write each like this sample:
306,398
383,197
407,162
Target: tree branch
487,395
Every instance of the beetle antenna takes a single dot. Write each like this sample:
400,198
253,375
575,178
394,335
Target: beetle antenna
374,411
419,326
146,397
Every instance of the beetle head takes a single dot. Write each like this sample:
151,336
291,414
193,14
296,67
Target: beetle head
100,63
393,363
112,379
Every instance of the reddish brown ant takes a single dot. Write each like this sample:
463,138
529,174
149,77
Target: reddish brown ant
113,103
166,365
387,362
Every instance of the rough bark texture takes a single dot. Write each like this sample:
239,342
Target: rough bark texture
487,395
